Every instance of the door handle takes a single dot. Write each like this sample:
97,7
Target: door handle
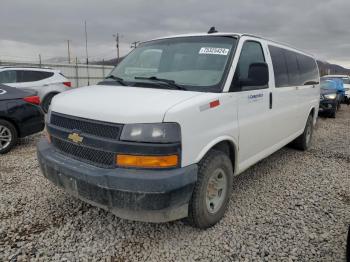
270,103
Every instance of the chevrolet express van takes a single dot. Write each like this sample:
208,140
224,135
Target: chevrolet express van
161,138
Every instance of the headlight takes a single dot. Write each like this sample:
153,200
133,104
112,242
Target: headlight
152,133
330,96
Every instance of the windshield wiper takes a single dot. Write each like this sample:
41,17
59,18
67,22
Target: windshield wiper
117,79
169,82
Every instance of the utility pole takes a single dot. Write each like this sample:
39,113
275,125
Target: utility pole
86,45
39,60
134,44
87,55
68,52
116,36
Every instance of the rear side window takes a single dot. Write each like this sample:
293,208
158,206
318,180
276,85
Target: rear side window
7,77
308,70
292,68
279,66
32,76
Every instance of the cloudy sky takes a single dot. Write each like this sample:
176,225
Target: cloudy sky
32,27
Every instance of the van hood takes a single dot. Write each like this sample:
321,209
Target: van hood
119,104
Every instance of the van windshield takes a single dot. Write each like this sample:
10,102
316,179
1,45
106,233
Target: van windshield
198,63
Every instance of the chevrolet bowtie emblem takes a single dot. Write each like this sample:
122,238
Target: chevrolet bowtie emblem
75,137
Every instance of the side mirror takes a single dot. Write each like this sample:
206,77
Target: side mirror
258,76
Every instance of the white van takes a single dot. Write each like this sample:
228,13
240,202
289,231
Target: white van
161,138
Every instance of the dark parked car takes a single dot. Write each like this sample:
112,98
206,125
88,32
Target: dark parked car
20,116
329,99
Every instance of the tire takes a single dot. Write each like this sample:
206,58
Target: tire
8,136
45,105
333,113
303,142
202,212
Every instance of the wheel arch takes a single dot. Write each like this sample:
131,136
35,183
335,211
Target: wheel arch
226,145
13,122
312,112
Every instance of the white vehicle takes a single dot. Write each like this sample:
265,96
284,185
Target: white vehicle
46,82
160,139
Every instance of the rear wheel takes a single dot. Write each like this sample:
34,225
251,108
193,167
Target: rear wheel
303,142
212,190
8,136
45,105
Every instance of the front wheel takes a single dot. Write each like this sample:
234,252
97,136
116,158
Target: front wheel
212,190
8,136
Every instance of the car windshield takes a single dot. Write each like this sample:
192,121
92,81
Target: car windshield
328,84
198,63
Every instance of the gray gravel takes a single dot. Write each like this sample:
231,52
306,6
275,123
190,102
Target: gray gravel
292,206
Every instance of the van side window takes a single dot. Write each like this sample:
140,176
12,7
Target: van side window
292,67
308,70
252,52
279,66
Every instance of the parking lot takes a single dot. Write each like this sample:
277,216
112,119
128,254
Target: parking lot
290,206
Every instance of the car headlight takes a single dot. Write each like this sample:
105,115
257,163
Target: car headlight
330,96
152,133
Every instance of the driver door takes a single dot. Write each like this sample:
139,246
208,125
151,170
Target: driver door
254,108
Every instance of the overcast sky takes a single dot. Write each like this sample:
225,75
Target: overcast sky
30,27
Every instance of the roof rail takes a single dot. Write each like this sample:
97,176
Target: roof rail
280,43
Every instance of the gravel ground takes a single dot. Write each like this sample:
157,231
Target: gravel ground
291,206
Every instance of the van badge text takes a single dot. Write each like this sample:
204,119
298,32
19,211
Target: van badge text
255,97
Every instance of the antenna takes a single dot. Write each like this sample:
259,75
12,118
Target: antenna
212,30
134,44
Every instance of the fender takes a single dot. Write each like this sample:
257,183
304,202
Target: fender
216,141
314,116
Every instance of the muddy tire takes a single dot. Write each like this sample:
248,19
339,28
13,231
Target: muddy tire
212,190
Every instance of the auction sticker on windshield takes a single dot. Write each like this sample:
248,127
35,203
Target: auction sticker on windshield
214,51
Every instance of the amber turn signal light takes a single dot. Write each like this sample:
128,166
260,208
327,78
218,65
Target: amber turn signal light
147,161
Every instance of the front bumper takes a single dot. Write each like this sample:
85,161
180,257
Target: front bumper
142,195
327,105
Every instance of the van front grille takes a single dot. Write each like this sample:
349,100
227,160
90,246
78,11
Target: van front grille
85,154
87,126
